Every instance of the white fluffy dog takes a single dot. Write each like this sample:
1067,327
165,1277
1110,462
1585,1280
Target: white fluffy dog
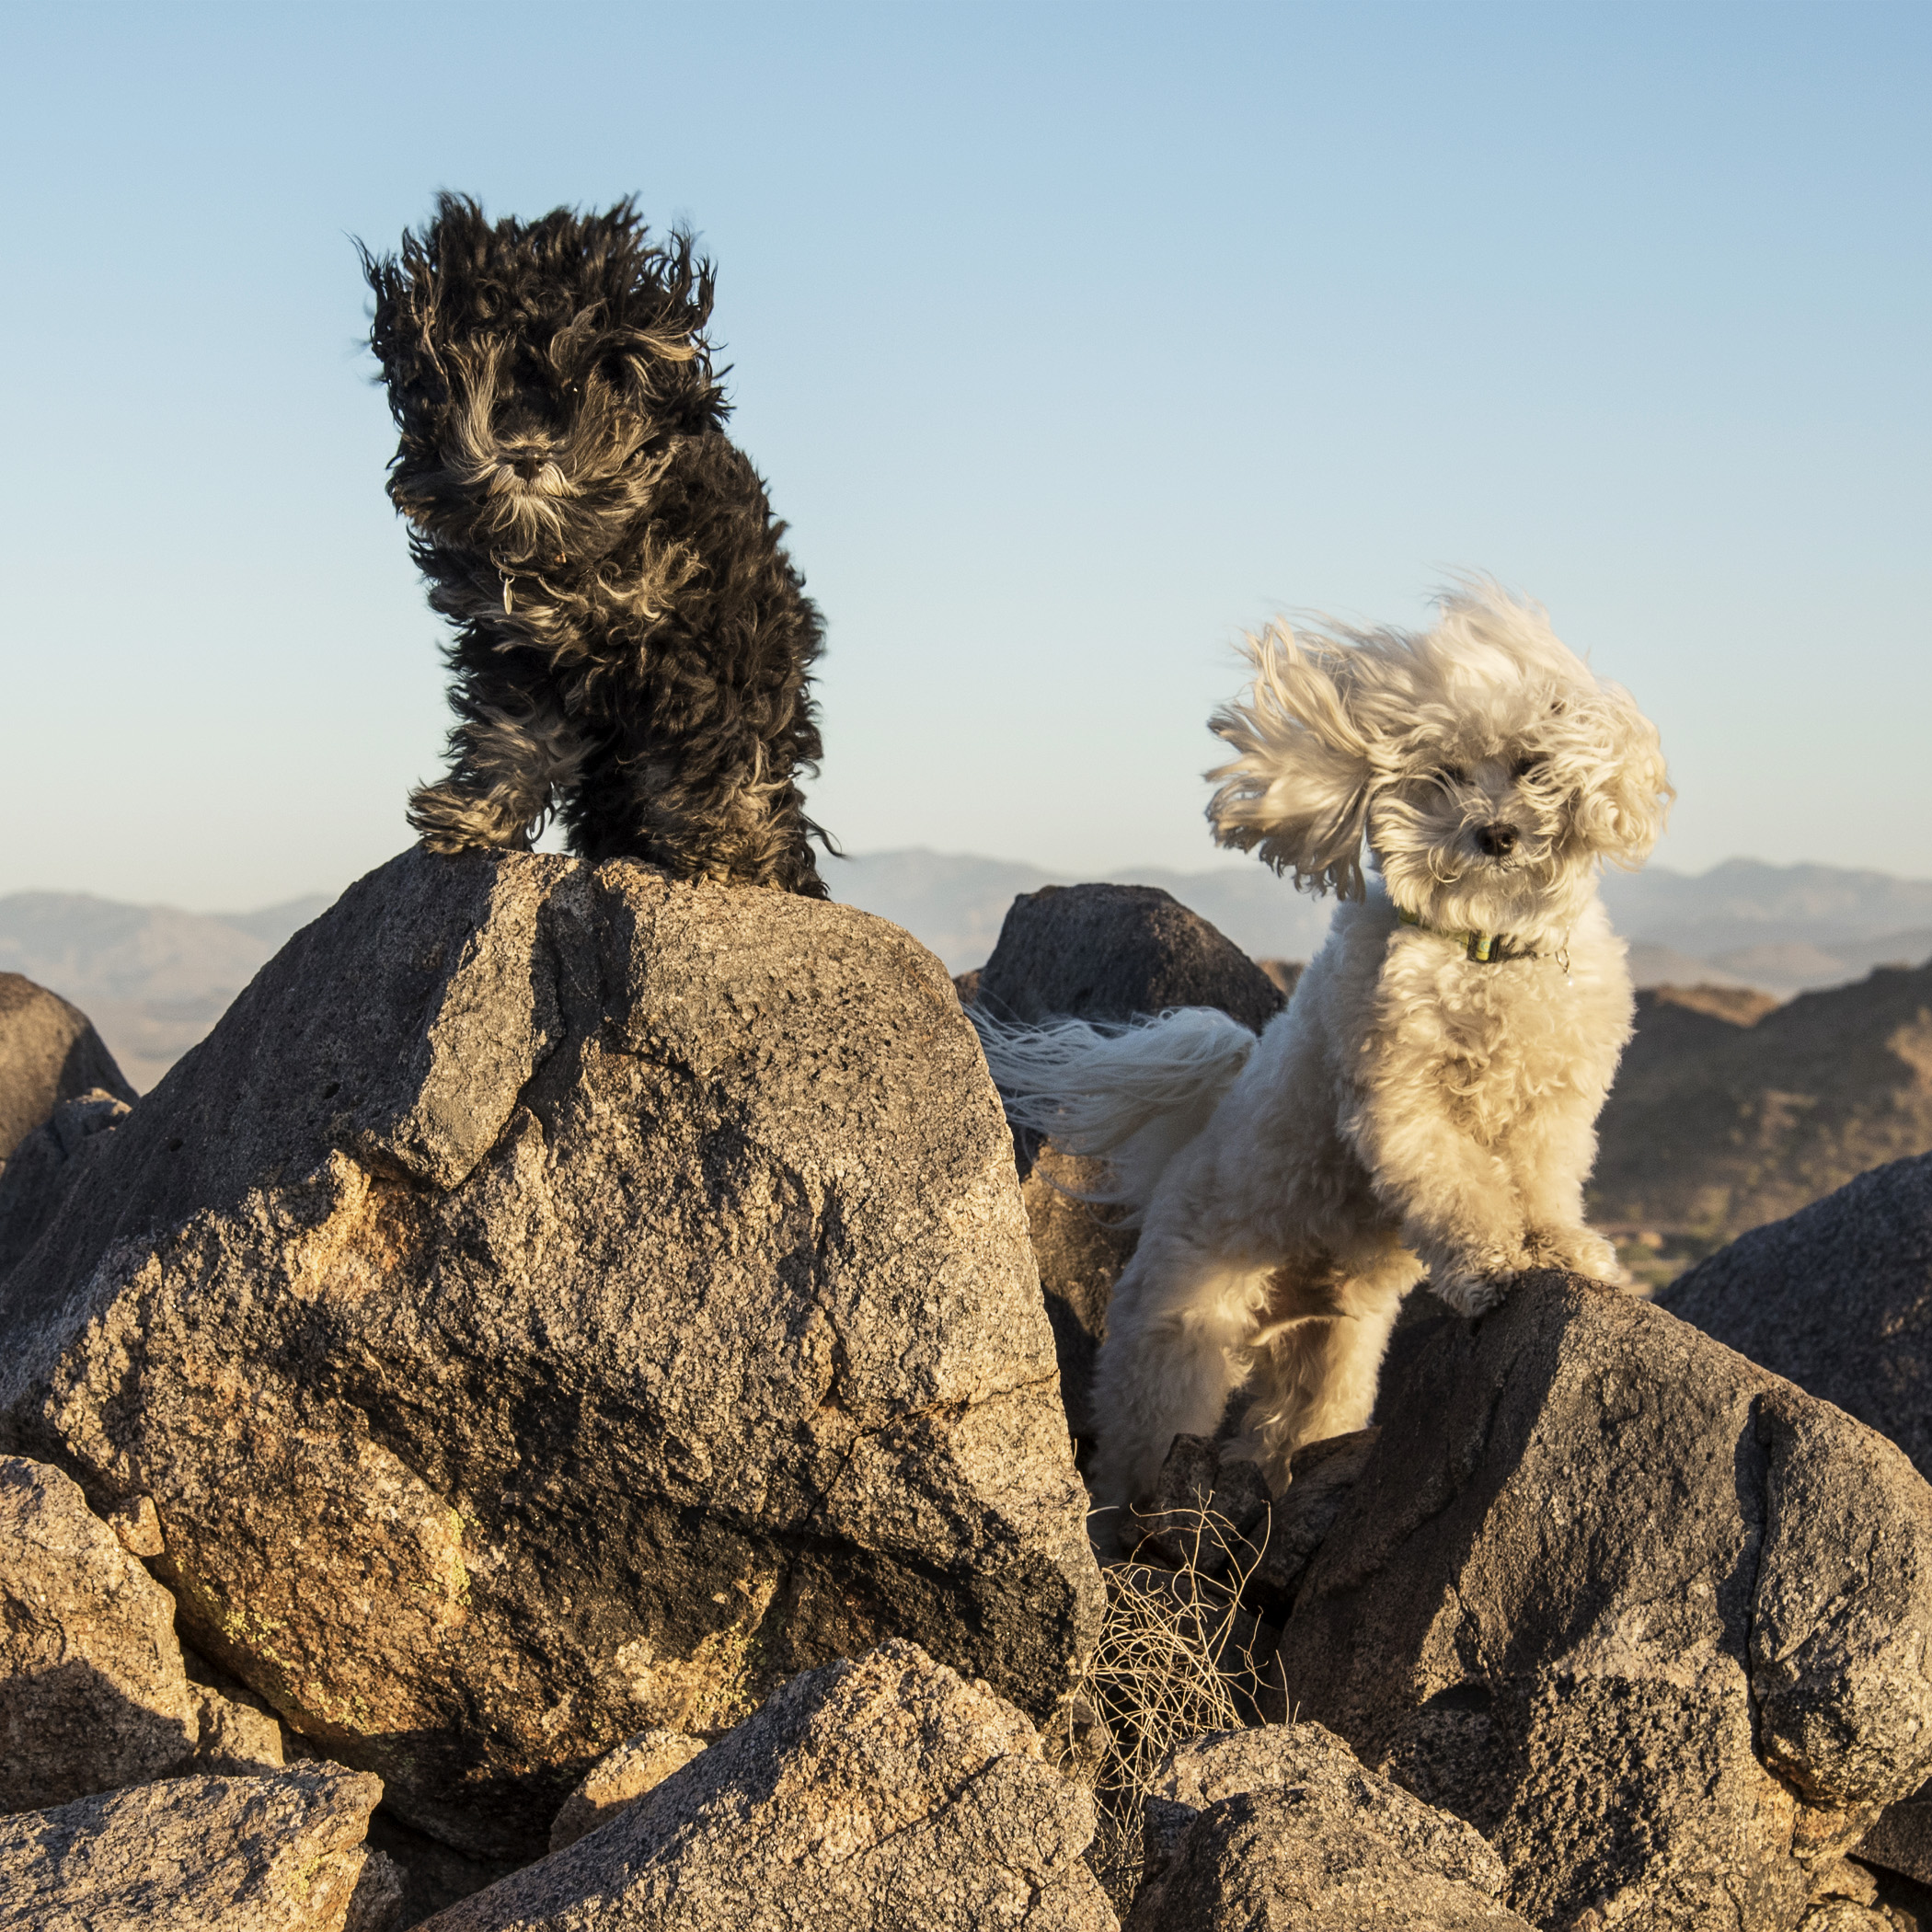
1427,1101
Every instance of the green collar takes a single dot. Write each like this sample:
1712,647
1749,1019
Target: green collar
1485,949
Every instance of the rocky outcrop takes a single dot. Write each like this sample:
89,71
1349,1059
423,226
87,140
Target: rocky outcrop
1838,1299
1110,951
554,1304
864,1798
49,1052
281,1854
1720,1120
1647,1617
1281,1827
619,1778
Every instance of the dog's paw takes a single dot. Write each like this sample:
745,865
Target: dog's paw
1581,1249
1470,1294
448,821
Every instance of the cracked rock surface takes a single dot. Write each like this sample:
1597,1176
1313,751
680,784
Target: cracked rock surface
1651,1619
552,1304
280,1853
867,1797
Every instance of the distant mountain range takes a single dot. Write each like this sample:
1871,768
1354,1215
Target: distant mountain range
155,980
1782,928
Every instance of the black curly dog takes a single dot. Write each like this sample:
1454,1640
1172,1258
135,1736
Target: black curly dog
633,645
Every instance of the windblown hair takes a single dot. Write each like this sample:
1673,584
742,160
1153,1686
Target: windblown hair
1340,724
632,646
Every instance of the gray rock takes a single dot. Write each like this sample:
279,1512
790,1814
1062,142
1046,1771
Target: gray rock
1649,1618
1193,1521
49,1052
1838,1299
1901,1839
92,1691
95,1689
234,1736
49,1163
1322,1477
1845,1915
1110,951
1843,1878
1285,973
554,1304
620,1777
281,1854
1282,1827
866,1798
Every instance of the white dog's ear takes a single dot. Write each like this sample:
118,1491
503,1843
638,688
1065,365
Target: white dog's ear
1623,793
1299,791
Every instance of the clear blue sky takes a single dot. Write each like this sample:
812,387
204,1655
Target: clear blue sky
1071,339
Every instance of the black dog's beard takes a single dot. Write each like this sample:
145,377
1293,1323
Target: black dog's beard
538,495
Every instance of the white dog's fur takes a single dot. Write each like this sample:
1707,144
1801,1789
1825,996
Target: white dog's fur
1416,1109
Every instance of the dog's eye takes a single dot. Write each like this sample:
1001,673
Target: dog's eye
1526,768
1455,773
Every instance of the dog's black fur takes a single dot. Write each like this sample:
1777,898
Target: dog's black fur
633,645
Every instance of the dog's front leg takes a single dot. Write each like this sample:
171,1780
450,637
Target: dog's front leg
508,764
1178,1329
1550,1152
1454,1199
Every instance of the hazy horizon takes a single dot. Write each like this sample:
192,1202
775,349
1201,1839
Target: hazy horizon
1228,863
1072,342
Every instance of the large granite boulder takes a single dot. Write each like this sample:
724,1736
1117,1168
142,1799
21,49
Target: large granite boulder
1282,1828
556,1304
281,1853
1647,1617
49,1052
1838,1299
865,1797
1110,951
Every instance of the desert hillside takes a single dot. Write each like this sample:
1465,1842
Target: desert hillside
1729,1112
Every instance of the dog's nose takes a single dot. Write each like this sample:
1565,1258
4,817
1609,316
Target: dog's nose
1497,840
529,466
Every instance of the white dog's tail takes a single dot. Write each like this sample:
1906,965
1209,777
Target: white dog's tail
1133,1095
